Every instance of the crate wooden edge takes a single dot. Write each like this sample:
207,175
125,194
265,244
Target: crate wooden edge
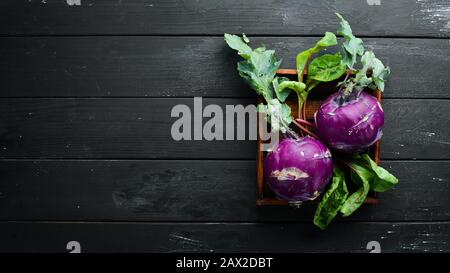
261,200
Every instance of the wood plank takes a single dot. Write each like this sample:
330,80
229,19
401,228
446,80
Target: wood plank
416,129
188,66
292,17
218,237
140,129
186,190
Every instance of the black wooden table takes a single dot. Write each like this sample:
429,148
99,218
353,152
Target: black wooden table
85,148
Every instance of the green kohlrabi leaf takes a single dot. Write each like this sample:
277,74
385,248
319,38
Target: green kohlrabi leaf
283,87
310,84
286,115
261,108
278,114
379,71
360,176
365,172
244,37
352,46
381,180
259,71
281,94
298,87
259,67
239,44
302,58
326,68
332,200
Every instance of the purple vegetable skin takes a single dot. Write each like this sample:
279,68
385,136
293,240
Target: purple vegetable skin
298,170
351,126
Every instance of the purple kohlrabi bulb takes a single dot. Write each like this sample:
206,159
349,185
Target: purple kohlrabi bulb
298,169
351,126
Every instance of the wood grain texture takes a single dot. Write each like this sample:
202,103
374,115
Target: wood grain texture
292,17
141,129
187,190
218,237
85,147
130,66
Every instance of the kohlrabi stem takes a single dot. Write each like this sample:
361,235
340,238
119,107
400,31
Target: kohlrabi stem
302,97
300,108
305,122
300,105
347,74
292,133
305,129
304,105
346,89
282,123
287,128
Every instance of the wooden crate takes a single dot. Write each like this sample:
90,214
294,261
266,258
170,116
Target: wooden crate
265,195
